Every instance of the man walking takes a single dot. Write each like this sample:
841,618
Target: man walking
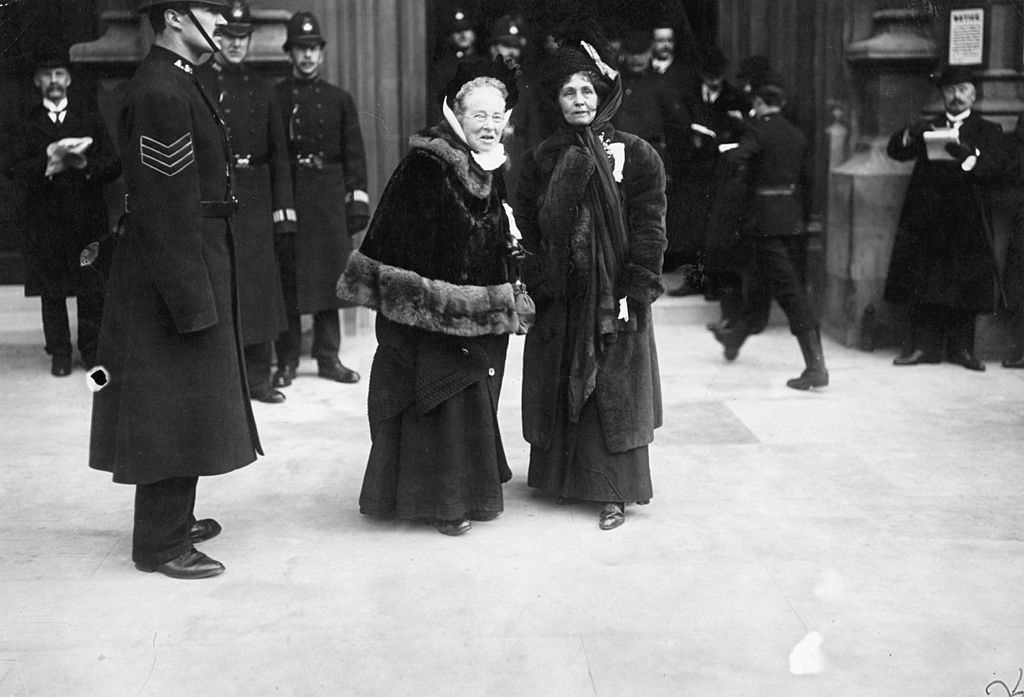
329,173
266,215
171,402
62,156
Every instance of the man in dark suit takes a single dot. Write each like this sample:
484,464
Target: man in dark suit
942,262
62,156
325,146
772,160
171,403
263,185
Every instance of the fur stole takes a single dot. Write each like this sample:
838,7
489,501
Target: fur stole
446,146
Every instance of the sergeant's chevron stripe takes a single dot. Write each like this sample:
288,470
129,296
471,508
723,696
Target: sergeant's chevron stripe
168,159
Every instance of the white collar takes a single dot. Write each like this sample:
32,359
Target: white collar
56,107
662,65
959,118
488,161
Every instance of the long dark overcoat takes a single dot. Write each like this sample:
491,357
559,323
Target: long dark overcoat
176,402
263,186
66,212
329,174
940,255
556,226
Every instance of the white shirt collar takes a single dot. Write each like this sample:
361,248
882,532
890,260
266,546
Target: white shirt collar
662,65
56,107
959,118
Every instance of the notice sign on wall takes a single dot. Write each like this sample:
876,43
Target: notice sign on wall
967,36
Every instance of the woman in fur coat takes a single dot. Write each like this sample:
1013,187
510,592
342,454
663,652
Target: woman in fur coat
433,266
591,207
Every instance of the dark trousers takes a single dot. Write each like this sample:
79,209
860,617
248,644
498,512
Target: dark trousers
326,338
164,513
939,330
57,328
775,263
257,366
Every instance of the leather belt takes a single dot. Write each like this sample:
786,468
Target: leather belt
210,209
785,190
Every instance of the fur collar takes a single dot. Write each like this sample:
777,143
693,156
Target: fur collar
443,144
405,297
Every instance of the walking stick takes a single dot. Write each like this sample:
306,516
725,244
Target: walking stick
990,239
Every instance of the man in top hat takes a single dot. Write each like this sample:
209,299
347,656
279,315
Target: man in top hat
942,262
507,38
171,403
328,163
62,156
460,47
263,187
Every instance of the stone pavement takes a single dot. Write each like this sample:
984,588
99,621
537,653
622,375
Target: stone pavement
867,539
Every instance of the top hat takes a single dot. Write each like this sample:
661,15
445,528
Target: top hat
303,30
714,63
953,75
54,57
239,20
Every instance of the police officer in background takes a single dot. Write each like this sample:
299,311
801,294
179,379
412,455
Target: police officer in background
263,187
771,161
329,175
171,403
460,47
62,156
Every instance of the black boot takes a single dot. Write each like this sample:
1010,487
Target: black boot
731,336
815,374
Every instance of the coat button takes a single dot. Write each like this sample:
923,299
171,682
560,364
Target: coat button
465,351
490,371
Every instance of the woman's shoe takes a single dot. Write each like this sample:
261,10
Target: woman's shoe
612,516
453,527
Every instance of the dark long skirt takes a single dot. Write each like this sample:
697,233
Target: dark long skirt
442,464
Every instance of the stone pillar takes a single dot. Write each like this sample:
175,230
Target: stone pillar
866,191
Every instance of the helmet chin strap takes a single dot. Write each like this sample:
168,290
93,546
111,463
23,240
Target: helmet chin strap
213,47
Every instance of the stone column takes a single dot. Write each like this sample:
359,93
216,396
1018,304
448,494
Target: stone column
866,191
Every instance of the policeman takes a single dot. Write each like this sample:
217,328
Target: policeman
263,187
171,402
62,156
460,47
771,160
329,173
507,38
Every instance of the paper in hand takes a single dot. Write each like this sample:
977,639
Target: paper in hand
59,149
935,143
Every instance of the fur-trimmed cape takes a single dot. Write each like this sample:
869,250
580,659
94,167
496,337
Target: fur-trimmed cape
435,253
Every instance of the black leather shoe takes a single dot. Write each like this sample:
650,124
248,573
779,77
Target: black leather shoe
966,359
916,357
483,516
268,396
731,338
60,366
203,530
191,564
453,527
283,376
1014,362
332,369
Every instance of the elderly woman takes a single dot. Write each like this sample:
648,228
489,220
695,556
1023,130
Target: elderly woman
591,207
433,265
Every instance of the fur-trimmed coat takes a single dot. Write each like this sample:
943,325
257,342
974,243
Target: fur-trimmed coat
433,265
557,229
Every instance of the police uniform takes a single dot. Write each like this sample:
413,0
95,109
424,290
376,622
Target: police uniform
443,70
263,188
325,147
171,402
65,212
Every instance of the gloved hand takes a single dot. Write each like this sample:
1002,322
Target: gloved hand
356,223
959,151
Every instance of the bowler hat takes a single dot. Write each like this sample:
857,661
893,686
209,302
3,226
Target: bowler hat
714,63
144,5
239,20
953,75
303,30
636,42
51,58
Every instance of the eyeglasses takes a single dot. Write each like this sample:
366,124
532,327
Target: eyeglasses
480,118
